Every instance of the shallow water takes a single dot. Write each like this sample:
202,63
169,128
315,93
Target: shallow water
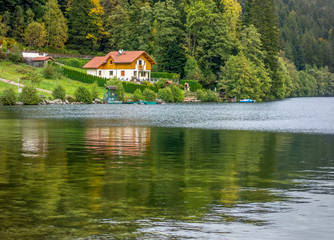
214,171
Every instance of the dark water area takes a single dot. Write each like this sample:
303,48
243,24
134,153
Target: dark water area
199,171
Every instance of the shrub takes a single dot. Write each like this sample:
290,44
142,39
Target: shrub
137,95
15,54
82,94
70,99
51,71
32,76
94,91
177,94
29,95
147,84
59,92
8,97
149,95
207,96
166,95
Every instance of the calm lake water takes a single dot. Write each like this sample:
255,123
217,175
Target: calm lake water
195,171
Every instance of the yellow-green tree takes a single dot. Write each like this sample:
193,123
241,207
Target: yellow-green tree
56,26
35,35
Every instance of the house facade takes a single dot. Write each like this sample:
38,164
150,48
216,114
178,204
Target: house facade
125,65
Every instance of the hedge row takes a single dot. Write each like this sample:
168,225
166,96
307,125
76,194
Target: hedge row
162,75
82,77
194,85
131,87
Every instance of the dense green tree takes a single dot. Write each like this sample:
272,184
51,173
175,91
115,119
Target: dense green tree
18,24
169,37
29,16
239,79
4,23
56,26
35,35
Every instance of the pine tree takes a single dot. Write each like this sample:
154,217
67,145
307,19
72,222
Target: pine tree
55,25
18,24
80,24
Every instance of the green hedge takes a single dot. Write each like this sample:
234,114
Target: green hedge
194,85
162,75
131,87
82,77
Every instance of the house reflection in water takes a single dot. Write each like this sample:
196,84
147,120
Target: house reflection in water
131,141
34,140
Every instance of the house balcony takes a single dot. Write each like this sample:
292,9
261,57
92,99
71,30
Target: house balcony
140,67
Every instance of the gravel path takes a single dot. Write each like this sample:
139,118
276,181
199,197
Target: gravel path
21,85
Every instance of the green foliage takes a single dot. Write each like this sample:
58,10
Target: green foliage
51,71
8,97
35,35
177,94
120,87
239,79
29,95
137,95
33,76
165,75
56,26
95,92
149,95
15,54
166,95
82,94
130,87
4,45
59,92
82,77
194,85
147,84
207,95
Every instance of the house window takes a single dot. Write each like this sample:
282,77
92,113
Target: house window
110,62
122,73
135,73
100,73
111,73
140,62
142,74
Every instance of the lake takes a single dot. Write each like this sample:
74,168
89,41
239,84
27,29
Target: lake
174,171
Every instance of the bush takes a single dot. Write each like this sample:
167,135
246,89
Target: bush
15,54
130,87
59,92
70,99
8,97
95,92
82,94
51,71
29,96
32,76
137,95
207,96
177,94
147,84
166,95
194,85
149,95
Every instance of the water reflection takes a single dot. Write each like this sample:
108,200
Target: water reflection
131,141
77,180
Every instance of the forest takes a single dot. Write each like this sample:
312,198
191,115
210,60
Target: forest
260,49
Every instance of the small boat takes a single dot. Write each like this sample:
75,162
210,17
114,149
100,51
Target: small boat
115,102
247,100
146,102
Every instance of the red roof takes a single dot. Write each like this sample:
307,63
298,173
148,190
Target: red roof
42,59
124,57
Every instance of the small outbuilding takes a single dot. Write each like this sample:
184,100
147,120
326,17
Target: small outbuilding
40,61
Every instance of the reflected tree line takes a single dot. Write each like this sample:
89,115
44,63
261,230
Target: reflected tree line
64,174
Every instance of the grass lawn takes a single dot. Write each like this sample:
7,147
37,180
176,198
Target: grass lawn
11,71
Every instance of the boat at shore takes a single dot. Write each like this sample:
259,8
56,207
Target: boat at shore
247,100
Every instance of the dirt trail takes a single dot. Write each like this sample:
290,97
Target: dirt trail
21,85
